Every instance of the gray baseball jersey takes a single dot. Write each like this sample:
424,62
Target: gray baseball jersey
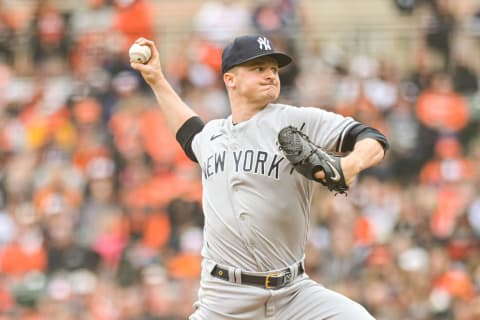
256,207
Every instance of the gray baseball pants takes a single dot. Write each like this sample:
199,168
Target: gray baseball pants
302,299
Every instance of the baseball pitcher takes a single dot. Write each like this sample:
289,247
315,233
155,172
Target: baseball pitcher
259,167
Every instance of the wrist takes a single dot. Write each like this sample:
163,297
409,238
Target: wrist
352,165
160,84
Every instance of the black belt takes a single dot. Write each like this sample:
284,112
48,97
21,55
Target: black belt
274,281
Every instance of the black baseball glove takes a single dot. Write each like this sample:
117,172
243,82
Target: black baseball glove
308,158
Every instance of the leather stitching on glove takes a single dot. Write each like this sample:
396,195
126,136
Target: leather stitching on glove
307,158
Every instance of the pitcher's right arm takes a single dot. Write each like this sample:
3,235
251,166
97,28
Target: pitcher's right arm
176,112
182,121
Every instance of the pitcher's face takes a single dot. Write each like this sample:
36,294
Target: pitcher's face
258,80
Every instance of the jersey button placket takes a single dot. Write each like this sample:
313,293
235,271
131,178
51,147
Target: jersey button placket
232,146
246,228
242,217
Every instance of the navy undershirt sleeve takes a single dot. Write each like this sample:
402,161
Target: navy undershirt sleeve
359,132
186,133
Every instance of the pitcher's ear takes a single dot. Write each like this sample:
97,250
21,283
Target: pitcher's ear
229,79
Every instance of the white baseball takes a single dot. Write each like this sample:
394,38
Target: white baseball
139,53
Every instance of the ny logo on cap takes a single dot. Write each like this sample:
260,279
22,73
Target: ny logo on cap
264,43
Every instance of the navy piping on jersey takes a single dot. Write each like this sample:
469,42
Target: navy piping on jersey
344,133
186,133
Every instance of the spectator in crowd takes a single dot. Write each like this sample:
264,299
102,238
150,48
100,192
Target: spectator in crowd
440,27
133,18
6,37
441,108
217,21
50,41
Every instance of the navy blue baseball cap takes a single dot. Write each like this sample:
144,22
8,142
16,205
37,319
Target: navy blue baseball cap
247,48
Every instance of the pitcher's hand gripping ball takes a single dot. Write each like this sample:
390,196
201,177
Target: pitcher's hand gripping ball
308,158
139,53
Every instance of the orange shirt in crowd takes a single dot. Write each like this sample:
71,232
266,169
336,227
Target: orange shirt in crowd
457,283
159,142
16,260
448,164
451,203
364,233
167,186
84,154
210,55
157,231
134,21
154,225
442,110
185,266
6,300
438,171
147,128
52,199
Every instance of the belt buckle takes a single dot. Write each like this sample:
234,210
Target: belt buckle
267,280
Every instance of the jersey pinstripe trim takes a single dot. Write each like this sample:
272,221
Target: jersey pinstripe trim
344,133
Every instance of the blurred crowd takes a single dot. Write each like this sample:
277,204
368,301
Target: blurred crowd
100,210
